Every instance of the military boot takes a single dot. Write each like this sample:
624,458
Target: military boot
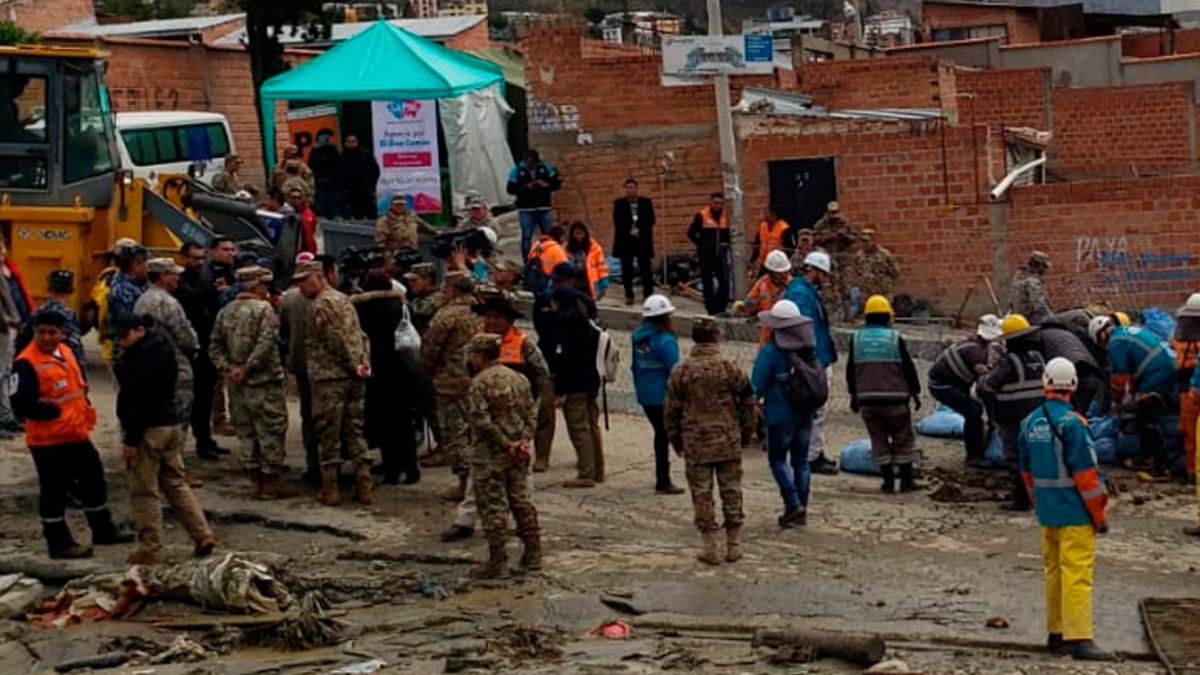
889,478
61,544
274,487
733,544
364,486
256,482
709,555
456,493
907,482
331,494
1020,496
531,559
495,567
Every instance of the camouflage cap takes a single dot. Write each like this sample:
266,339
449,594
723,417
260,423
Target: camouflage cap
706,323
474,200
867,233
303,270
1039,258
164,266
833,207
124,242
254,273
503,263
426,270
463,281
804,232
488,343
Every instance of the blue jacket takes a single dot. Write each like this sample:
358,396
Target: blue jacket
768,379
1063,475
655,353
1136,354
805,294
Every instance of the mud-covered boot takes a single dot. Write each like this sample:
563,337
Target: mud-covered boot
61,544
1086,650
105,532
331,494
907,482
733,544
709,555
364,486
1020,496
495,567
888,472
275,487
531,558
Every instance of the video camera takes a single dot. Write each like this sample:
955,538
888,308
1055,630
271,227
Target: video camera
354,263
473,240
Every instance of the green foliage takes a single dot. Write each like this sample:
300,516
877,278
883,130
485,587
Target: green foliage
12,34
140,10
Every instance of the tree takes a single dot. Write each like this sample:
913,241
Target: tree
12,34
265,22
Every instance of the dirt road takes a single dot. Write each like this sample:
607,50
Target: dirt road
928,573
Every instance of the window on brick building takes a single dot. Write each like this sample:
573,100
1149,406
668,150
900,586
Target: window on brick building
971,33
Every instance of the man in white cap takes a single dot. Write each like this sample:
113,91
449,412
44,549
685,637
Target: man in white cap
955,372
805,292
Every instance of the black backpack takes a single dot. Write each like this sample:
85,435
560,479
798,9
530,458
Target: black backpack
536,280
807,385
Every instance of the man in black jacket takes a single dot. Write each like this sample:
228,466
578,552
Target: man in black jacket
633,239
710,233
152,439
197,292
360,175
571,355
533,182
325,160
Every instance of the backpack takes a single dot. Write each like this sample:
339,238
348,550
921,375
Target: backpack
608,357
807,384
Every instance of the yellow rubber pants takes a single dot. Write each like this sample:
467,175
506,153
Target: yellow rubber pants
1069,556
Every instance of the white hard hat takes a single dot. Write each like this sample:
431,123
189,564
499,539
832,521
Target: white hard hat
1098,325
989,327
819,260
1191,307
777,261
1060,375
657,305
491,235
783,314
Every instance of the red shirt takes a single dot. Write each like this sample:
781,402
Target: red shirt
308,230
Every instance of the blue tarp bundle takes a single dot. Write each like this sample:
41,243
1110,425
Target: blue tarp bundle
942,423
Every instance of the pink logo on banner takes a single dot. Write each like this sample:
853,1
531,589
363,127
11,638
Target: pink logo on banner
407,160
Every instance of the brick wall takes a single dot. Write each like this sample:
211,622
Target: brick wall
46,15
921,185
897,82
1150,45
1131,242
1022,26
475,37
1130,130
1011,98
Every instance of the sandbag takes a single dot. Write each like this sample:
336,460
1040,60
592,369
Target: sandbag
856,457
942,423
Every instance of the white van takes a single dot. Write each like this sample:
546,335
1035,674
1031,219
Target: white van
153,143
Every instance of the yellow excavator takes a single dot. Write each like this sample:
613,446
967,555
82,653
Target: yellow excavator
65,199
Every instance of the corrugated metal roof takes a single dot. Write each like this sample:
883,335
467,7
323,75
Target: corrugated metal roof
158,27
777,102
439,28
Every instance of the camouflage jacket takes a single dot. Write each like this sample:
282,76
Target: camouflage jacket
174,324
1029,296
226,183
424,308
246,336
334,345
280,177
710,407
443,349
398,233
123,294
833,233
502,412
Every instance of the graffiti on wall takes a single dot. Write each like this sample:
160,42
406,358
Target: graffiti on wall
546,117
1114,267
145,98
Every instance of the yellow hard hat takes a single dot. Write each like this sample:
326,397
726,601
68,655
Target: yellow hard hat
1014,323
1122,318
877,304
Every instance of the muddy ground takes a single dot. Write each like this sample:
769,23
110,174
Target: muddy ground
928,574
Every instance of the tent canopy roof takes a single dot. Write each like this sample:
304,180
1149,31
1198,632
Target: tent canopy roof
384,62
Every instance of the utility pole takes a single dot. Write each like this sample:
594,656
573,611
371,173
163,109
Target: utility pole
730,169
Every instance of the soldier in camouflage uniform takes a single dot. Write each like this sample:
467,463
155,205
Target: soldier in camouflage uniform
1029,296
338,367
876,266
245,349
444,363
126,286
424,295
172,322
503,417
709,416
399,229
837,237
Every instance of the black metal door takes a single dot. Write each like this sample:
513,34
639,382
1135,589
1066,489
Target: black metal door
802,188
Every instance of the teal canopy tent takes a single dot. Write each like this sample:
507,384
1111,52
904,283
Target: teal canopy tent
382,63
